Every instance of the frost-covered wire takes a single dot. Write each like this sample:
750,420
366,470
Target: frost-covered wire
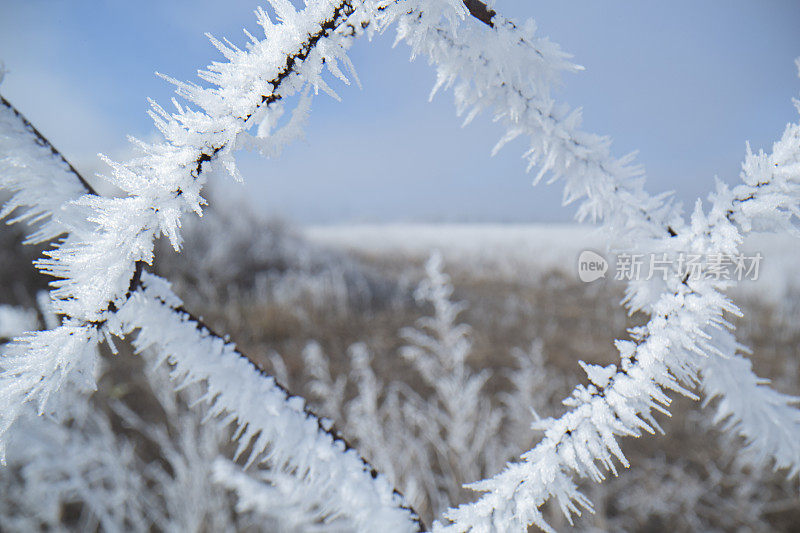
273,425
489,73
43,186
100,262
99,266
509,71
32,371
40,180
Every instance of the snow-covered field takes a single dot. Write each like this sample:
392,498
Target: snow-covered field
523,250
506,249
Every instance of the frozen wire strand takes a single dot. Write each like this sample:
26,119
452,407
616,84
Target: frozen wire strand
631,199
43,141
273,428
29,170
203,331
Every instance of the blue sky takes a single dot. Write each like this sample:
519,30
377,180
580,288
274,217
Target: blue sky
686,83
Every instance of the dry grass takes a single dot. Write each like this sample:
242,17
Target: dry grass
575,321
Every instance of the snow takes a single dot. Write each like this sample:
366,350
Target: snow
524,251
511,248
